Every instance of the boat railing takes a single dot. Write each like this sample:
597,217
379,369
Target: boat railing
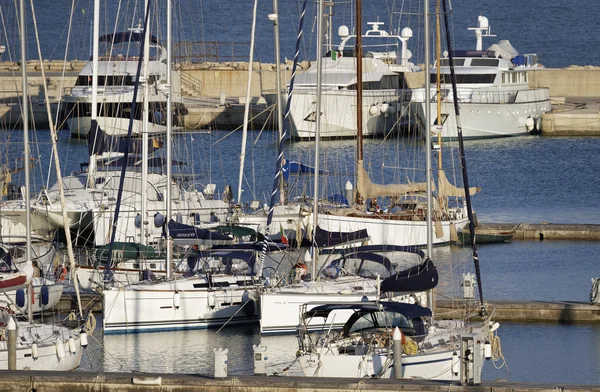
493,96
210,51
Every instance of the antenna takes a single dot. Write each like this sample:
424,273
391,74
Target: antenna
483,30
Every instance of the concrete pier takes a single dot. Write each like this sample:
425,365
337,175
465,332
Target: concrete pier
548,231
132,382
574,90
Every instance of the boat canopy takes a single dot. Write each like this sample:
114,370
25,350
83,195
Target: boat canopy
183,234
324,238
421,277
410,311
128,251
291,167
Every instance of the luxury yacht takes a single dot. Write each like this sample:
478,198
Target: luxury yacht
495,99
385,93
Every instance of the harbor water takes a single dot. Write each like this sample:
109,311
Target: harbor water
523,179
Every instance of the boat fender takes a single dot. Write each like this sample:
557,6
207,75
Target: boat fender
35,353
248,304
45,294
20,298
60,349
60,273
529,124
455,363
72,345
176,300
487,350
211,299
594,295
373,110
83,338
159,219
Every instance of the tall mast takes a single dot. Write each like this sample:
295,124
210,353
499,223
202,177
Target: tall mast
25,114
94,114
145,120
428,145
169,132
359,87
247,106
463,161
317,135
438,55
275,18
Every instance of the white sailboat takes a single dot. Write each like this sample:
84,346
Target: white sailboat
219,290
385,339
38,346
349,276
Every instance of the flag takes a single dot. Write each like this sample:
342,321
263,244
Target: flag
284,239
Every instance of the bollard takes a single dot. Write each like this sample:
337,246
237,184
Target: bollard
12,344
397,338
220,362
222,98
260,360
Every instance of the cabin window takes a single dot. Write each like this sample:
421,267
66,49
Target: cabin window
484,62
466,78
456,62
395,82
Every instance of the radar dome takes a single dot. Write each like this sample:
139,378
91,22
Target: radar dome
406,32
343,31
483,22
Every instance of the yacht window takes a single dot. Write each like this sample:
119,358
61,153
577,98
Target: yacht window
466,78
395,82
514,78
503,78
484,62
442,117
457,62
110,80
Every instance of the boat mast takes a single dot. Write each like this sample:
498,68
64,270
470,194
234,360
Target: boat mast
359,86
428,146
94,114
247,106
275,18
463,161
145,120
438,56
25,117
59,180
169,135
317,136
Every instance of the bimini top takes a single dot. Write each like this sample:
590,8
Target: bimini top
128,36
410,311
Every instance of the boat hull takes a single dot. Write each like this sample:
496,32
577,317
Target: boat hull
178,305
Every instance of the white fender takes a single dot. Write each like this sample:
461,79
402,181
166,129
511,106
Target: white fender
60,349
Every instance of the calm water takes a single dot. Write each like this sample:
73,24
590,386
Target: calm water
557,30
527,179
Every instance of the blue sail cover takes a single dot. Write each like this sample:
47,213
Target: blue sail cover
324,238
190,235
412,280
290,167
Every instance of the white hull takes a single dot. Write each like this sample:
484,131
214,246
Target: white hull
390,231
437,366
291,218
55,290
338,119
49,347
154,307
496,119
80,126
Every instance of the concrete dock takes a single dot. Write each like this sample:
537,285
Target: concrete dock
215,94
132,382
547,231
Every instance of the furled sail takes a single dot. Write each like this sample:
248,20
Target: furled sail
368,190
446,188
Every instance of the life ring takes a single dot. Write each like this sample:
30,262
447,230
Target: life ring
61,273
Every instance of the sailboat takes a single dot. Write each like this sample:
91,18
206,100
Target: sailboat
385,339
219,289
342,270
39,346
